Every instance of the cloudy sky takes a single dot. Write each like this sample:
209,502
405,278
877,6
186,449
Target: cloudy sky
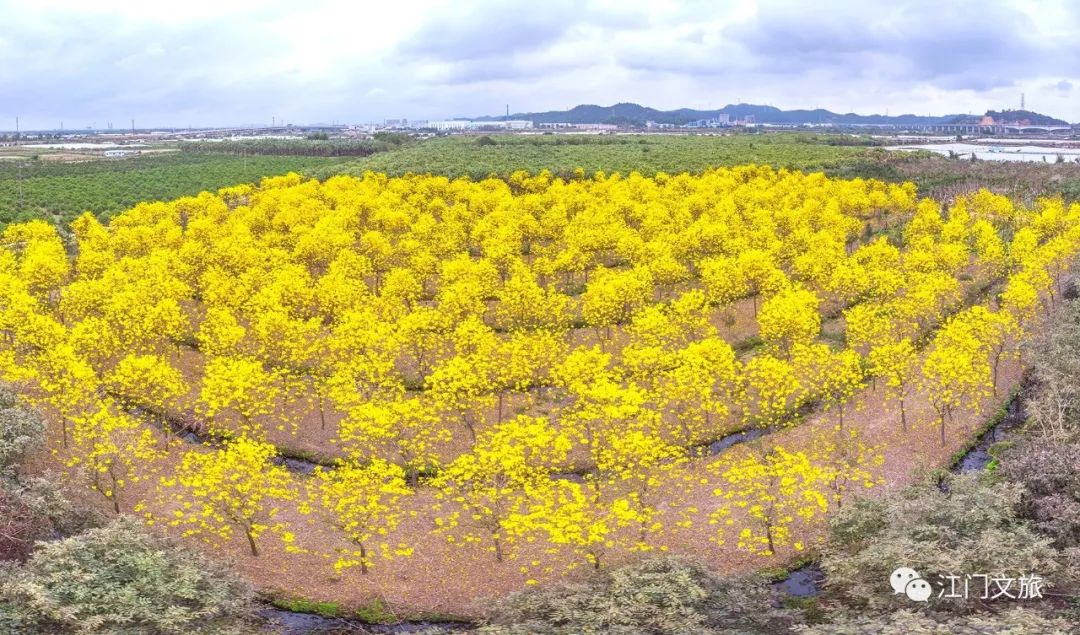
202,62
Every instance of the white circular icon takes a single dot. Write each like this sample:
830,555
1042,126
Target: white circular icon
918,590
900,578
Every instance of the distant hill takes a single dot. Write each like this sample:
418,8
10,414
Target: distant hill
634,114
1025,117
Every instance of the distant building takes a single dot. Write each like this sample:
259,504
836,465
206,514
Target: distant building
121,153
454,124
719,121
511,124
578,126
463,124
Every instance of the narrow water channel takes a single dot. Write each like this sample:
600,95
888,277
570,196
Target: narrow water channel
803,582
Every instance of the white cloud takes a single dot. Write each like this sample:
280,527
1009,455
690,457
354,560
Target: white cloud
239,61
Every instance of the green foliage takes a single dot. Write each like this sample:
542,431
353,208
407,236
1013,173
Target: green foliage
304,605
563,155
314,145
35,509
1016,621
107,187
119,579
1054,408
376,612
1051,474
21,430
660,595
964,524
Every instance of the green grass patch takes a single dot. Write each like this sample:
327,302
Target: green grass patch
36,188
377,612
304,605
582,156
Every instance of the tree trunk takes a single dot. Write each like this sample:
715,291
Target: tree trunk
322,414
903,416
363,559
251,541
115,492
472,430
997,358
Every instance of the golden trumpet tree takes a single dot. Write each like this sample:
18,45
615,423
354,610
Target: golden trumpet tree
237,487
364,502
761,498
488,489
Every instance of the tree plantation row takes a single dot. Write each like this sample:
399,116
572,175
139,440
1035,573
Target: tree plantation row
531,369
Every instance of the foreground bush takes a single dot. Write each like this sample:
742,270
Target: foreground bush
967,524
21,430
119,579
1050,473
1017,621
661,595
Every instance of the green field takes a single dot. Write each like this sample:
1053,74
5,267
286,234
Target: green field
479,157
62,190
34,188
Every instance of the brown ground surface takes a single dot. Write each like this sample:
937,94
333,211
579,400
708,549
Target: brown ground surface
441,578
446,579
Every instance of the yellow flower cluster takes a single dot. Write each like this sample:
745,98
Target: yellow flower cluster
550,356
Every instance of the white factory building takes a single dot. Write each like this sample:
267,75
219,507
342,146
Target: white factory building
463,124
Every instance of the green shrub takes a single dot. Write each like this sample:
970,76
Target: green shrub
966,524
21,430
119,579
1050,473
1018,621
661,595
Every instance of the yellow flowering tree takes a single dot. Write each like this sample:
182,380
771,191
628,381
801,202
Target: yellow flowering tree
364,502
234,488
150,382
762,496
488,489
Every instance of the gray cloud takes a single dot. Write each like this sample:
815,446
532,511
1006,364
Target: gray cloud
324,59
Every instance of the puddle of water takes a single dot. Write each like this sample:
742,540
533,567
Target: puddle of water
289,623
297,466
716,447
978,457
804,582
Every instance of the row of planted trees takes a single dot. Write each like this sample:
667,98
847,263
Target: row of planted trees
550,358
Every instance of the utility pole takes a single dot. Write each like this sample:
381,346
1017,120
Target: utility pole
133,127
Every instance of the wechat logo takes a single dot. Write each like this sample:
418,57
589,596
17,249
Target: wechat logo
908,581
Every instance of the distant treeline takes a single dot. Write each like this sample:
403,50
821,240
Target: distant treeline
302,147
